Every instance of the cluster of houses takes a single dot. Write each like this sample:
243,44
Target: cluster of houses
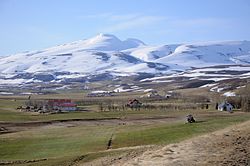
67,105
49,106
224,106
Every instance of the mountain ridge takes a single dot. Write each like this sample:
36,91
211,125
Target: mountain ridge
105,53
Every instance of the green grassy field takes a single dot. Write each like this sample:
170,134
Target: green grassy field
61,144
9,113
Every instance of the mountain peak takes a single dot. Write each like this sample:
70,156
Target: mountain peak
109,42
103,38
106,35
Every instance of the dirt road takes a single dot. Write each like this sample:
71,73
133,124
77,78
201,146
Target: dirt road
230,146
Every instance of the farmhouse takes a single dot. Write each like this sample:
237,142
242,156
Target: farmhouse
62,105
225,106
133,103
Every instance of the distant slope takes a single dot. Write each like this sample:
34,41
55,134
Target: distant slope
210,54
151,53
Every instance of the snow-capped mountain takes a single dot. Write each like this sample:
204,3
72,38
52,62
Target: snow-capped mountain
96,55
106,54
210,54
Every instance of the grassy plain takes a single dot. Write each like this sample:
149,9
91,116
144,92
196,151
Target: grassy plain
61,142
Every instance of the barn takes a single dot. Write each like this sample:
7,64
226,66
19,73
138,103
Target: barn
62,105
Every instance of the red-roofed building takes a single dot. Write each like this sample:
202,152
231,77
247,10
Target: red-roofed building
62,104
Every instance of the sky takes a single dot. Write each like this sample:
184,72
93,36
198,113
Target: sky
27,25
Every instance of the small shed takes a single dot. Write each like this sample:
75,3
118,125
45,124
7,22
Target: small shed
225,106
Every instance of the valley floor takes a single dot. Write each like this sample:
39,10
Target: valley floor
145,137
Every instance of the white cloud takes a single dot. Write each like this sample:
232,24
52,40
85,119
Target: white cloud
157,24
130,22
196,26
118,22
